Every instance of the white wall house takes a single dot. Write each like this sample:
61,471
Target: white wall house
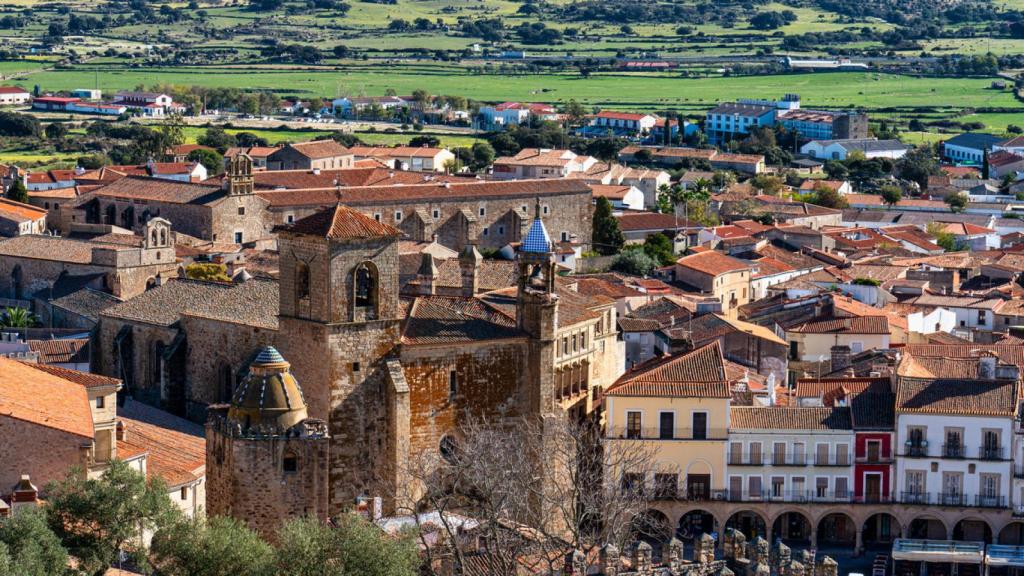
938,320
841,149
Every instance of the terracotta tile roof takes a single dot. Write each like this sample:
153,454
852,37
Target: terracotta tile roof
832,389
941,385
176,448
61,351
443,320
966,229
185,149
451,191
612,191
43,247
942,301
696,374
39,397
642,221
341,223
252,152
789,418
834,325
396,151
68,193
349,177
19,212
713,263
156,190
652,316
86,379
540,157
594,286
253,303
316,149
12,90
1004,158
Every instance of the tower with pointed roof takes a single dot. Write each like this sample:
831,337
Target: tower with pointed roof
266,459
537,310
340,312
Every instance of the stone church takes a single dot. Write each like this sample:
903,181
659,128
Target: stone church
389,377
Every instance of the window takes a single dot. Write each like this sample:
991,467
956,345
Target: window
842,489
820,487
544,210
453,385
398,215
565,236
301,280
954,443
633,423
290,218
989,489
799,452
565,346
779,453
436,214
184,493
754,487
821,455
755,453
241,210
483,211
448,448
632,482
842,455
290,464
355,366
700,425
666,425
376,216
735,453
100,401
238,237
501,230
915,482
874,450
574,347
583,341
778,486
856,347
486,230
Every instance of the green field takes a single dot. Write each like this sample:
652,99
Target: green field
192,133
871,91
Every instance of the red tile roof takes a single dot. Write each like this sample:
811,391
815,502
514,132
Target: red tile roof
341,222
87,379
696,374
39,397
713,263
789,418
833,325
316,149
176,449
61,351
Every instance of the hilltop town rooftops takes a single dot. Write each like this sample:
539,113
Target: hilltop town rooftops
45,399
55,248
157,190
789,418
341,223
834,325
396,151
175,447
316,149
18,212
713,263
438,320
698,374
953,386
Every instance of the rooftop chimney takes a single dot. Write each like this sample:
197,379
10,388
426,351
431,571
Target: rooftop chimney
987,368
841,357
122,431
25,494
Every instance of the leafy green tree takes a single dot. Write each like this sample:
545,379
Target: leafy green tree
891,195
427,140
483,156
353,547
215,137
218,546
56,131
31,548
957,201
18,192
16,317
634,262
608,238
659,247
918,165
827,197
210,159
944,239
575,112
95,518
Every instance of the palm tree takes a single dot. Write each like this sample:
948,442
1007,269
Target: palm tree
16,317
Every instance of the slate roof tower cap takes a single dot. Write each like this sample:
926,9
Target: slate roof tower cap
537,240
269,397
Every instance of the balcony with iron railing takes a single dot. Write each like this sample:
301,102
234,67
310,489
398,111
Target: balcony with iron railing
988,452
874,459
951,450
915,449
659,433
953,499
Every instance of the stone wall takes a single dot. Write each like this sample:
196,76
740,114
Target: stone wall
245,213
22,443
142,372
246,479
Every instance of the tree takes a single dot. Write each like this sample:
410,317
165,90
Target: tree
31,548
215,547
659,247
635,262
341,51
483,156
95,518
957,201
891,195
56,131
173,130
17,317
18,192
427,140
768,184
943,238
215,137
249,140
828,197
354,546
209,272
551,478
575,113
608,238
14,124
452,166
210,159
918,165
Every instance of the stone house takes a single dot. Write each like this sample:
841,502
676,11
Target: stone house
232,213
724,277
322,154
33,264
17,219
491,214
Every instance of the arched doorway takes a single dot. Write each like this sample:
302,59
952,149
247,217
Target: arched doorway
653,527
751,524
927,529
972,530
837,530
695,524
879,531
1012,533
793,528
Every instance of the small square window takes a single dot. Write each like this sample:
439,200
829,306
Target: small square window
483,211
485,231
501,230
291,218
545,210
355,366
241,210
238,237
290,464
376,216
436,214
398,215
100,401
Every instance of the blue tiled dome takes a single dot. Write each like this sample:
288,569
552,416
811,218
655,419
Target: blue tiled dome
537,240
